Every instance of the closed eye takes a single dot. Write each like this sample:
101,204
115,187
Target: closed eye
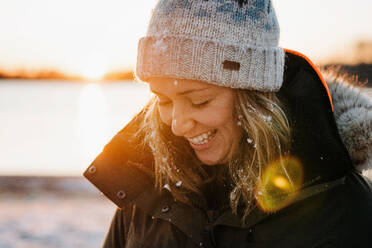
198,105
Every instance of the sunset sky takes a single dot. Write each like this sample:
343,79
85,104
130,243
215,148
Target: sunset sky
91,37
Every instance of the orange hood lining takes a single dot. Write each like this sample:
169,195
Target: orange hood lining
315,69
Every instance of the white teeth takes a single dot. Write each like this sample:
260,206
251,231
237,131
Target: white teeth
201,139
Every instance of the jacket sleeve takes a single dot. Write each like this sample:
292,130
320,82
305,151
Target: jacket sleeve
117,233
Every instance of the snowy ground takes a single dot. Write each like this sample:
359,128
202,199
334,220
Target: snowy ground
53,219
39,212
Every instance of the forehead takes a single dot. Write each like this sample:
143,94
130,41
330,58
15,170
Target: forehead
178,86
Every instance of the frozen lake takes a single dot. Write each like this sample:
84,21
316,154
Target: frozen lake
57,127
38,212
48,220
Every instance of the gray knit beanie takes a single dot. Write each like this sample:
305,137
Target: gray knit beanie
232,43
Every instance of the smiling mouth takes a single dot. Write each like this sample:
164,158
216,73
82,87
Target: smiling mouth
203,138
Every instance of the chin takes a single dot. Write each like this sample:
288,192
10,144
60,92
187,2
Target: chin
210,161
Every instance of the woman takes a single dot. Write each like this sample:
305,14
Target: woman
239,146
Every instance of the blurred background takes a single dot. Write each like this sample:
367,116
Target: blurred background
66,87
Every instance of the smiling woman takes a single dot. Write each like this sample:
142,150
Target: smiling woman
239,147
187,108
217,123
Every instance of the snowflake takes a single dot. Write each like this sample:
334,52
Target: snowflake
159,46
166,186
267,118
271,107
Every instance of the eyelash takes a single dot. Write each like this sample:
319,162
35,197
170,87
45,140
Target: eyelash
199,105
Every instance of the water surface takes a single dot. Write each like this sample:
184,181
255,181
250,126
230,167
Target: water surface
58,127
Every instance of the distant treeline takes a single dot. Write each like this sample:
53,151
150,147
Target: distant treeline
37,74
119,75
360,74
50,74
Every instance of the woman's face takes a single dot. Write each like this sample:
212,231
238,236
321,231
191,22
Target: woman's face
202,113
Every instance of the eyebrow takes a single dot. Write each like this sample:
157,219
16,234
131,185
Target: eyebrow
181,93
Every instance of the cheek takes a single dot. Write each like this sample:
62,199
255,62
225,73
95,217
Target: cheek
227,127
217,120
220,116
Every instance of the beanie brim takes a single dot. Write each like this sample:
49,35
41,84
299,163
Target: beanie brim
229,65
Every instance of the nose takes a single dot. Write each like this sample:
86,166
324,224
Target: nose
182,121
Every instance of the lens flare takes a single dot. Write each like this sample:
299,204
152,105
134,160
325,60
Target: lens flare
279,184
282,183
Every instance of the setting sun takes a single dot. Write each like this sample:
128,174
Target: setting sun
91,66
93,72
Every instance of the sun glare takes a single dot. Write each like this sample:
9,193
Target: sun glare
92,126
91,65
94,72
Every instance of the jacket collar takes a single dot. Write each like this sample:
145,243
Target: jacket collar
119,171
315,138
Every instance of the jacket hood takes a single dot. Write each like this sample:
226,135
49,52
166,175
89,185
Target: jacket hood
122,171
330,120
353,114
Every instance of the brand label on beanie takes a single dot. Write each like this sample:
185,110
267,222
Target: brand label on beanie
231,65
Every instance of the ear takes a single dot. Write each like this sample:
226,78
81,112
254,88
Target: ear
353,114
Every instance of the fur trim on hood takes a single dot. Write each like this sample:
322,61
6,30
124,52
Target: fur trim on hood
353,114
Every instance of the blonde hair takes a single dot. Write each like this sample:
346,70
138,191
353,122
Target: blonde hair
266,137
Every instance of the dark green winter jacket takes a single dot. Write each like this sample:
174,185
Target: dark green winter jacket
333,209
